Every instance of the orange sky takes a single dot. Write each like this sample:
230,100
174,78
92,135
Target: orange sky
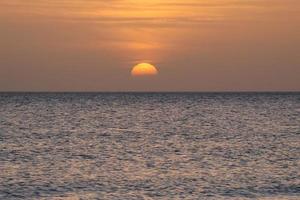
197,45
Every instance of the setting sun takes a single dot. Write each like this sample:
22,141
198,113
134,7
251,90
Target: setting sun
144,69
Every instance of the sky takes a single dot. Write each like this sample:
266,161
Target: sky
196,45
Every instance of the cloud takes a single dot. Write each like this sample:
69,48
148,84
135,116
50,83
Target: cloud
170,12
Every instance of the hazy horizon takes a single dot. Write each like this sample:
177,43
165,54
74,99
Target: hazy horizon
197,46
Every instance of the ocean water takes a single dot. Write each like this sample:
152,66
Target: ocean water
149,146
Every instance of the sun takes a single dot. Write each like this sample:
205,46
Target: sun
144,69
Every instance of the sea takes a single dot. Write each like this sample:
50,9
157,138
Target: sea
152,146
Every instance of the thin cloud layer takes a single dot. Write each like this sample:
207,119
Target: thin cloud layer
141,12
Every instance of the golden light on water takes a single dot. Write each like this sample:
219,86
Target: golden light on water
144,69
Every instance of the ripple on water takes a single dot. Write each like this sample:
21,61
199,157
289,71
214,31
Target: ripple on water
149,146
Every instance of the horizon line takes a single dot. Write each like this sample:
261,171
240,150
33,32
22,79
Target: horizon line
225,91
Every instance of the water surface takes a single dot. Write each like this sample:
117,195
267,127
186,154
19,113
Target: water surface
149,146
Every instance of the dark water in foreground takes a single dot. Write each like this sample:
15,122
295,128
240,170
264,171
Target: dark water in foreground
150,146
